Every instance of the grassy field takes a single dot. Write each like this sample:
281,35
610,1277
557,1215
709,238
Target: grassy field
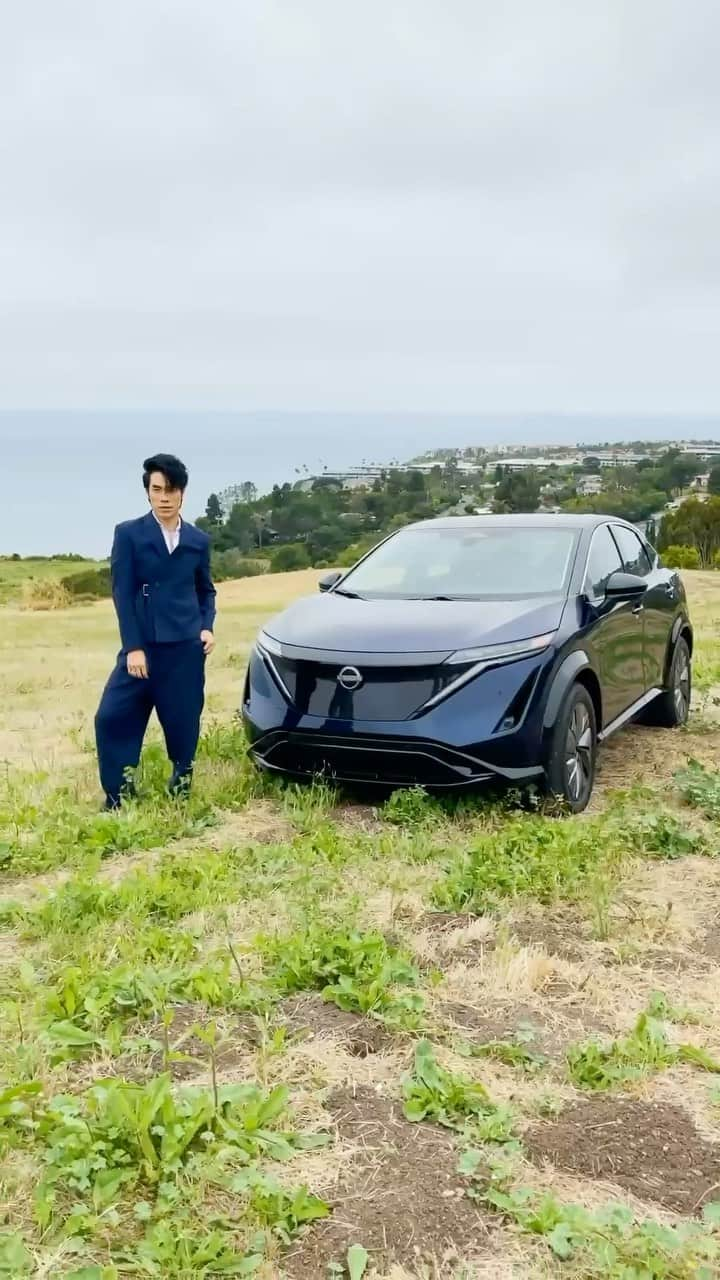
16,575
273,1031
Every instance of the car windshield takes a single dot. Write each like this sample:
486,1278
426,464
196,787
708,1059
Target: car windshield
466,563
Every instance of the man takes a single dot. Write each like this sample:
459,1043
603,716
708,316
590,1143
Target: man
165,602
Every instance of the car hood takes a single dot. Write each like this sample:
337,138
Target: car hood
334,622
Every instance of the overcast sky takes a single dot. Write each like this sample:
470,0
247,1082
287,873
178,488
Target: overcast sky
399,204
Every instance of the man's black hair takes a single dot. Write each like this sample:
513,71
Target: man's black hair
174,471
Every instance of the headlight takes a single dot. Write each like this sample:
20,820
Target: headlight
502,652
267,643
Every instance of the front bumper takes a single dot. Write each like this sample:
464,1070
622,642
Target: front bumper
379,761
490,729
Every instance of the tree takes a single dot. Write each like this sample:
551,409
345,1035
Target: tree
714,479
694,524
238,530
245,492
213,510
678,469
518,492
415,482
260,522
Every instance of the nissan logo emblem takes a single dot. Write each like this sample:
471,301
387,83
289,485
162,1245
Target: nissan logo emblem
350,679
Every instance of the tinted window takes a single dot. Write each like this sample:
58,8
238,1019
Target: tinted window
603,560
634,556
471,562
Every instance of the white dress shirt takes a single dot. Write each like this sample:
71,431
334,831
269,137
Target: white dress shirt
171,536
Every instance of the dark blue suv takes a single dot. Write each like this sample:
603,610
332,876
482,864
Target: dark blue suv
466,650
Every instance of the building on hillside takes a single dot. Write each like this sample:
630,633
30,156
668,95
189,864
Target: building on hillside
705,451
589,485
616,457
509,463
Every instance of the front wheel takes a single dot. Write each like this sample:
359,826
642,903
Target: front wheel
570,767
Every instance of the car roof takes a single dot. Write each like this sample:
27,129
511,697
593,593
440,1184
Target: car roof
566,520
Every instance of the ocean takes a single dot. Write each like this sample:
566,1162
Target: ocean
66,478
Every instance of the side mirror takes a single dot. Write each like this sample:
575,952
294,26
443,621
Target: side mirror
329,580
625,586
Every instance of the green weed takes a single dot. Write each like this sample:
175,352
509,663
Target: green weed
412,807
513,1053
119,1135
662,835
284,1212
431,1093
172,1251
360,972
180,885
553,860
645,1051
15,1259
543,857
611,1244
700,787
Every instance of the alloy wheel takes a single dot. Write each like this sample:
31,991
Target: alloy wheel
578,753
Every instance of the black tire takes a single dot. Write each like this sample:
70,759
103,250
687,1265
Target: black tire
671,708
572,753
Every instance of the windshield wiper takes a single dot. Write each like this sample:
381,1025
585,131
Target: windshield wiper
434,597
352,595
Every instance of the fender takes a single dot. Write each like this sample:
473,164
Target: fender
680,624
565,675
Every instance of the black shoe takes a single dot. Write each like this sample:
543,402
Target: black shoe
179,784
114,802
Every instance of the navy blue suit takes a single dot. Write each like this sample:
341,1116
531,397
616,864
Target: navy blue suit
163,601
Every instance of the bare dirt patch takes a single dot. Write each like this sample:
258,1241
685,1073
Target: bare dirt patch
362,818
401,1198
439,935
443,922
312,1016
521,1023
652,1150
709,944
540,1029
650,756
564,933
235,1038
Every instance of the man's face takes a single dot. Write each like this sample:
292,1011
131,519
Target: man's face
165,502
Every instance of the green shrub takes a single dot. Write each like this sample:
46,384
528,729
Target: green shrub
292,556
233,564
681,557
94,584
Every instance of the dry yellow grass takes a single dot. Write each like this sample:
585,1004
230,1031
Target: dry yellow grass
53,666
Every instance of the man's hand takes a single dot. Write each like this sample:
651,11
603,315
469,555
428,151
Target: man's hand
137,664
208,642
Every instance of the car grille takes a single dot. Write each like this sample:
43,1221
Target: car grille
386,692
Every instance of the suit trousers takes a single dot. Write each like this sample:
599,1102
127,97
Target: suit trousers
175,688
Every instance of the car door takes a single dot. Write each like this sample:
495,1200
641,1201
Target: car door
659,604
615,631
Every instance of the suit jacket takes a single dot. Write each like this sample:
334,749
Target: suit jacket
160,598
